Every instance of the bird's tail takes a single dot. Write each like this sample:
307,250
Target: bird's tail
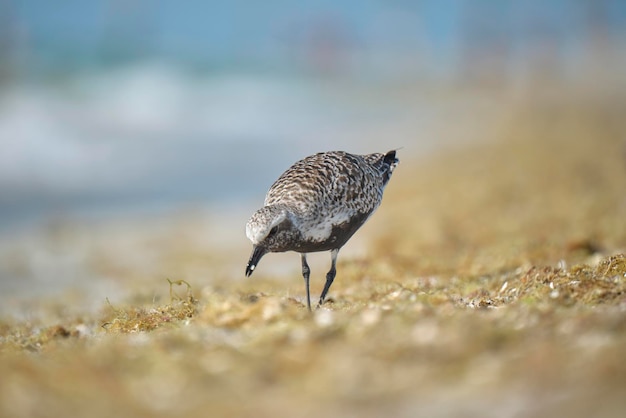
389,164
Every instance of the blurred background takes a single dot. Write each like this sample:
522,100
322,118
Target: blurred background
123,109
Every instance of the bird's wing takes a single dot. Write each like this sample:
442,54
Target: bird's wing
328,180
303,184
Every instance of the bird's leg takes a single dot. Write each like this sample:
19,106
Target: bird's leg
330,276
306,271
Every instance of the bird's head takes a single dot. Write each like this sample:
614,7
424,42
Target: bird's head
269,229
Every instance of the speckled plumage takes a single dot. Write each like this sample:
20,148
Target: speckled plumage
317,205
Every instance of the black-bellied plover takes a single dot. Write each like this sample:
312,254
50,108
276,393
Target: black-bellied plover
317,205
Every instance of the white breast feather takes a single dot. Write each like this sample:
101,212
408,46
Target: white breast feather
321,232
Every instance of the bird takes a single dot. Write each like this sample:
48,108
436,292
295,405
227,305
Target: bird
317,205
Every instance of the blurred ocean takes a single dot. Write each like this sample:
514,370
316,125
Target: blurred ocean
154,136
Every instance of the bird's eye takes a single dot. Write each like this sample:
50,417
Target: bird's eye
273,231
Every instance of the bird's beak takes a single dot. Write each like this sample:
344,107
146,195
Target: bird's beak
257,253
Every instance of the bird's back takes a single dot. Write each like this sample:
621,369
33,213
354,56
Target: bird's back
329,180
332,193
